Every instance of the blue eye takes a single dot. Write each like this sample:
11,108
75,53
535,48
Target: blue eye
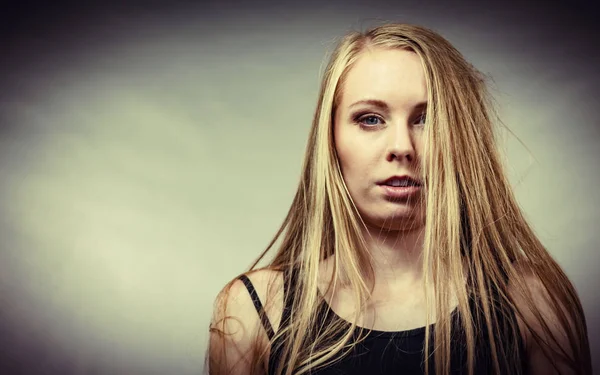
368,120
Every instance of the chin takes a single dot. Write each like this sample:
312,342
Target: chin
397,221
400,225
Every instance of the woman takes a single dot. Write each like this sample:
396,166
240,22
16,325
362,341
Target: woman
404,251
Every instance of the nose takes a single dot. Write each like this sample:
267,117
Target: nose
400,146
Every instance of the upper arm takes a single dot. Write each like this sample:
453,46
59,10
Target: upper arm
237,336
233,334
548,351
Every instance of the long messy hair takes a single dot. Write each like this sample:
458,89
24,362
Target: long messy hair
474,229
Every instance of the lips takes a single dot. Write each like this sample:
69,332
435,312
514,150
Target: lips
400,192
401,181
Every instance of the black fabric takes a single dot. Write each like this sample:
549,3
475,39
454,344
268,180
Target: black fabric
259,307
399,353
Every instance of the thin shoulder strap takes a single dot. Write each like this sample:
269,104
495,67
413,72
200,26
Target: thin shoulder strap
258,305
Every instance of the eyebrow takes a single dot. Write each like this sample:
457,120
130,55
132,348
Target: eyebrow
383,105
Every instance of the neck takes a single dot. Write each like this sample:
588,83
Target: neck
396,257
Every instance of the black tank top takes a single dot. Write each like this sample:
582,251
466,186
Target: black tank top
400,352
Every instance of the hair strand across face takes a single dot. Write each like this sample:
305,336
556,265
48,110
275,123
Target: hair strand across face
477,241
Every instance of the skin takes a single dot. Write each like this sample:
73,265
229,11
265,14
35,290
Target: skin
374,143
378,145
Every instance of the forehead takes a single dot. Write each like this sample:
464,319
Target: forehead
392,75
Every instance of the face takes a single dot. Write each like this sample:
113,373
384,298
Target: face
378,132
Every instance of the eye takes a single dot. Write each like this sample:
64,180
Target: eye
368,120
420,120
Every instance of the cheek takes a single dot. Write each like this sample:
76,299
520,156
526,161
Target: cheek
346,164
356,154
355,170
349,157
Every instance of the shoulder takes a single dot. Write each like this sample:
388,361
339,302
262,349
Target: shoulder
544,322
234,300
234,311
236,331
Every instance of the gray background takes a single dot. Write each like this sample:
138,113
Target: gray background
149,152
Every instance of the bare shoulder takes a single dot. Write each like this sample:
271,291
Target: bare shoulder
269,288
236,331
544,322
532,299
234,300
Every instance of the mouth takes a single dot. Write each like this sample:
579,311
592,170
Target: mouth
401,182
400,187
400,192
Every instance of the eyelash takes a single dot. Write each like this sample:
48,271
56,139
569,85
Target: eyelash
362,116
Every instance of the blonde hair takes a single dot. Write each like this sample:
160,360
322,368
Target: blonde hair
474,227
